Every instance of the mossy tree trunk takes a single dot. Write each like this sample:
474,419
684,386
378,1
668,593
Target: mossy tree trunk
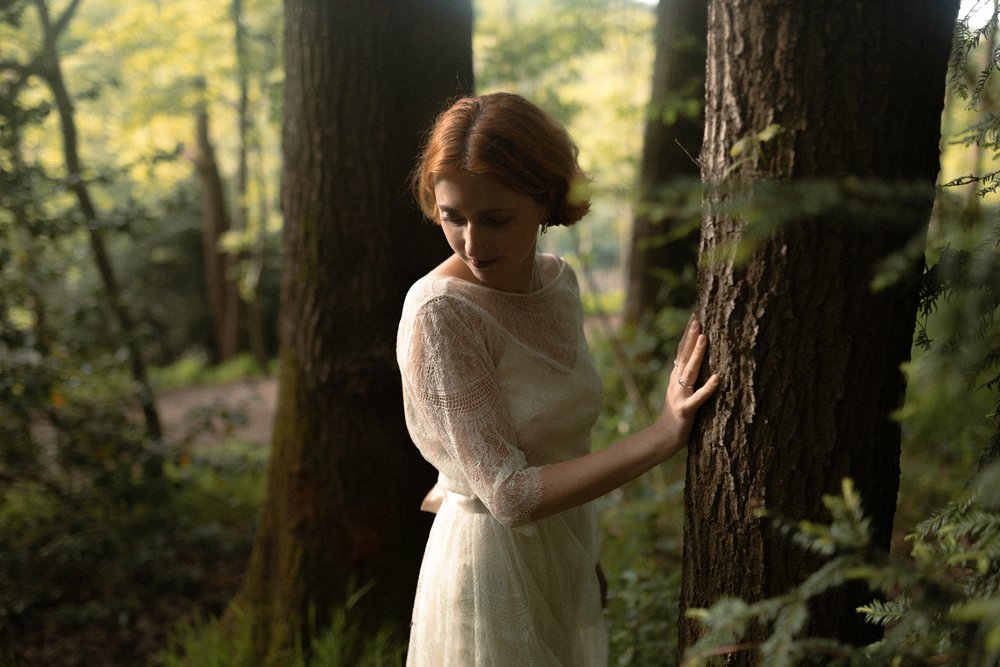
663,257
363,80
810,353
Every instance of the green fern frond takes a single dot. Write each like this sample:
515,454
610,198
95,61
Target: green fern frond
984,553
975,611
943,610
938,521
726,622
815,537
829,575
884,612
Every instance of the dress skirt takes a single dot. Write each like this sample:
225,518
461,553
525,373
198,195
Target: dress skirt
494,595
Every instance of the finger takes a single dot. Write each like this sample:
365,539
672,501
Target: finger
704,392
700,347
684,332
689,371
686,345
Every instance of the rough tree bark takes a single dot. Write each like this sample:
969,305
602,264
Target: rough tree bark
673,135
808,350
363,81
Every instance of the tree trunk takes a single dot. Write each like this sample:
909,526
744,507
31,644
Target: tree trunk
251,257
663,257
51,70
363,81
220,282
256,264
809,351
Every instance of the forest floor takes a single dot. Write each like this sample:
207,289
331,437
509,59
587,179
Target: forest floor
252,401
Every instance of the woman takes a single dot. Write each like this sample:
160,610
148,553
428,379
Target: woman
500,395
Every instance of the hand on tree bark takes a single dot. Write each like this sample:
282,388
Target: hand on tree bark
683,397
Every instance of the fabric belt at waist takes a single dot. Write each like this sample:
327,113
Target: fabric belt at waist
465,503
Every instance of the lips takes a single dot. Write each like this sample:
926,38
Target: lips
482,264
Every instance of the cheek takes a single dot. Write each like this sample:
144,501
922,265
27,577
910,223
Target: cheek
529,236
453,236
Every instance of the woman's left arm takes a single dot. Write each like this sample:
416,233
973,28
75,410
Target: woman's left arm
577,481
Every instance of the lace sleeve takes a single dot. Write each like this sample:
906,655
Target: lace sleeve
453,399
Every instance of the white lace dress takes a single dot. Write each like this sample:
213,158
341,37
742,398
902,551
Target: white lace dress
496,385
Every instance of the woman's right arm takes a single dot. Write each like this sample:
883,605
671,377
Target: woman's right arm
455,408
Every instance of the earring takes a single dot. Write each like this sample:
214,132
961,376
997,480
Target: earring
545,227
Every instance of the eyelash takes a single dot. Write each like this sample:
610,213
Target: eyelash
458,222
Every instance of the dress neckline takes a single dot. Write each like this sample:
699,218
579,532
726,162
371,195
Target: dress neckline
541,290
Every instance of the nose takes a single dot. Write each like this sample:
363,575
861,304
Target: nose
475,240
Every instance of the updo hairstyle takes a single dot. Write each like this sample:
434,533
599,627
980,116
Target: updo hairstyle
504,136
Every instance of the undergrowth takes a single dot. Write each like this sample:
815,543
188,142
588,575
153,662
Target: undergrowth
346,642
942,603
99,575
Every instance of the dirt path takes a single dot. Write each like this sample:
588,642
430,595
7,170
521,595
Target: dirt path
243,409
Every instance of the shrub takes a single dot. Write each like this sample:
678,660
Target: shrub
942,606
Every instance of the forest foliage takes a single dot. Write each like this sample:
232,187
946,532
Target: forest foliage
106,533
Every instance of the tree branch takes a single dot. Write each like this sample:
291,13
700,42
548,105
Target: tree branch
63,20
53,30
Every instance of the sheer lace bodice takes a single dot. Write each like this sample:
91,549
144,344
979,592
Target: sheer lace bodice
497,385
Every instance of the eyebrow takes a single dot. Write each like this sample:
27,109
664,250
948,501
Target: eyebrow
488,211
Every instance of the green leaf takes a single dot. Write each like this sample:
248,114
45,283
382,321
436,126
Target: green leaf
769,132
741,146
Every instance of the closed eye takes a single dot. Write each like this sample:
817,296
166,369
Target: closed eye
458,220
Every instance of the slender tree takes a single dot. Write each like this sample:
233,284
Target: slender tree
251,259
663,256
220,265
48,66
363,80
825,119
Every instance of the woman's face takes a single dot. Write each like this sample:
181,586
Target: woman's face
492,229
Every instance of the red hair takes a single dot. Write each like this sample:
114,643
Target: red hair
504,136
